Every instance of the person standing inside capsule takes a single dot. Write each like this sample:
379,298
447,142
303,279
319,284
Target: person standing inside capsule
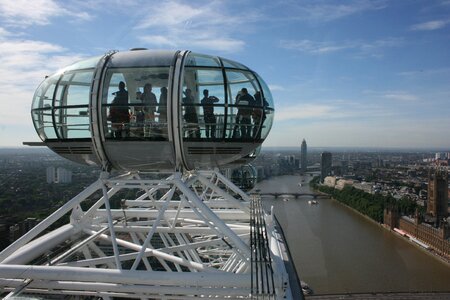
162,111
258,114
162,108
190,115
245,102
118,113
208,113
149,102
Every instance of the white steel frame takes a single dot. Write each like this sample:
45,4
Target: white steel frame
183,237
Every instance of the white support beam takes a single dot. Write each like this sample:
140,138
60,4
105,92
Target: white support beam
111,225
223,214
135,289
191,231
214,218
228,197
131,256
157,253
168,195
231,186
41,245
54,273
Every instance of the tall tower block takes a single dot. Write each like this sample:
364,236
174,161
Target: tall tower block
325,165
303,157
437,193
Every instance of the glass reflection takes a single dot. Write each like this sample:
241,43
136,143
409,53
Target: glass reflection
267,110
71,105
135,104
244,117
42,108
218,107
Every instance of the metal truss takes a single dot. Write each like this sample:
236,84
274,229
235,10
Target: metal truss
186,236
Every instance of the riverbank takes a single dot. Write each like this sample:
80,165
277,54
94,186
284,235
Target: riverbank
431,252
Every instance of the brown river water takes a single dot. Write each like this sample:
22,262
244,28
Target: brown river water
336,250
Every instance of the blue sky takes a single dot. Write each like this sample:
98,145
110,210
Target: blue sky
349,73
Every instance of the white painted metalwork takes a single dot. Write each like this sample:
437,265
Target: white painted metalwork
186,236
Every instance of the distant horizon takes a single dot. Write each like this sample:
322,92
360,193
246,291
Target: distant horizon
362,149
297,148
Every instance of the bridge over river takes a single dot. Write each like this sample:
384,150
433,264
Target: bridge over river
295,195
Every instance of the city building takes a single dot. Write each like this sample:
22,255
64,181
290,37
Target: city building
342,183
330,181
51,174
437,205
64,175
364,186
325,165
58,175
415,230
303,157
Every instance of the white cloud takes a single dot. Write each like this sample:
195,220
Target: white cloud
23,65
185,25
25,13
426,72
313,47
275,87
363,48
381,43
303,111
158,40
173,13
401,96
219,44
22,60
431,25
4,33
321,11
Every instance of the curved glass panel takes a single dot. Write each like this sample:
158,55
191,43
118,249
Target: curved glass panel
42,108
204,103
200,60
268,100
244,117
268,110
245,177
72,123
134,103
72,105
232,64
78,88
43,122
89,63
43,97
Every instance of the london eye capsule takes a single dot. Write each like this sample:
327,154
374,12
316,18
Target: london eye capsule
244,177
145,110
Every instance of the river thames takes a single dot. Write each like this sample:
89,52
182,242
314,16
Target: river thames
336,250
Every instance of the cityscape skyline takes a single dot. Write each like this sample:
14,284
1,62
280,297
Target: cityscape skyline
373,176
353,74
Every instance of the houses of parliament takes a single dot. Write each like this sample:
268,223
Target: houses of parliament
433,227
